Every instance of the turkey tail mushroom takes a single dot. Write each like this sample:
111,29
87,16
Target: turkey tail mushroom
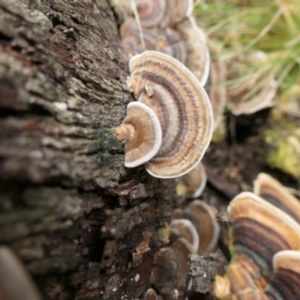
182,107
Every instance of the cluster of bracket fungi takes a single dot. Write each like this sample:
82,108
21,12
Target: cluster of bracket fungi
169,128
264,245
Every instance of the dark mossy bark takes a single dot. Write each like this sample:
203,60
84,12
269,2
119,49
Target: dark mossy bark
84,226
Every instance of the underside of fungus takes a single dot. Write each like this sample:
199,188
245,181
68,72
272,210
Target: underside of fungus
182,107
141,133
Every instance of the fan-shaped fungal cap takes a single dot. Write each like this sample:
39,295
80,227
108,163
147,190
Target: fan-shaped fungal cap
182,107
205,223
15,282
184,228
254,94
274,192
216,84
285,283
163,13
136,40
141,132
203,218
195,181
255,231
197,58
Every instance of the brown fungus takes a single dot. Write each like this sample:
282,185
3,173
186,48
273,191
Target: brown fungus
255,239
203,217
285,283
274,192
163,13
184,228
141,133
15,282
182,107
197,53
253,94
194,181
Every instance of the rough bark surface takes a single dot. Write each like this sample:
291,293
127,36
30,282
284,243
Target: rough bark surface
84,226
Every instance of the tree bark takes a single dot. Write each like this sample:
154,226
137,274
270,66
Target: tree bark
84,226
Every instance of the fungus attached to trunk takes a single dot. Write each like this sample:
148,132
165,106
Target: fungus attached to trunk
182,107
274,192
258,231
194,181
285,283
163,13
203,217
198,57
184,228
141,132
251,95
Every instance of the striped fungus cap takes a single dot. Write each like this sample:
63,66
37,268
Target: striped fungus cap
274,192
198,57
135,40
252,94
283,285
194,182
182,107
203,217
163,13
259,231
185,228
15,282
216,84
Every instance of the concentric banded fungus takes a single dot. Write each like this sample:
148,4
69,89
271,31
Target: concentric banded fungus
255,239
216,85
141,132
203,218
136,40
185,228
163,13
274,192
194,181
182,107
253,95
198,58
285,284
15,282
170,267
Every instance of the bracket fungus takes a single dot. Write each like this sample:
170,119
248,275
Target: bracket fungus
274,192
255,239
163,13
141,133
198,57
251,95
194,182
185,228
15,282
182,107
203,217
